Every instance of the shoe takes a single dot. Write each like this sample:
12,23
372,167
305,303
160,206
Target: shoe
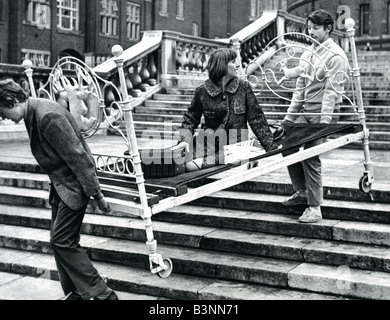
311,215
74,295
296,198
107,295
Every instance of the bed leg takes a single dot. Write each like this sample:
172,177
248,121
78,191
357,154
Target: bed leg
158,265
367,179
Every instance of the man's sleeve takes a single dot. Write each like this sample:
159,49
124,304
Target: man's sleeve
334,87
298,96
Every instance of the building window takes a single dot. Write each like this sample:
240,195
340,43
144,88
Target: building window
68,14
364,19
38,13
1,10
180,9
256,9
109,17
38,58
163,8
388,17
195,29
133,21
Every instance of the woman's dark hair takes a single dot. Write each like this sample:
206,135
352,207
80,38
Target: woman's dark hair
11,93
322,18
218,63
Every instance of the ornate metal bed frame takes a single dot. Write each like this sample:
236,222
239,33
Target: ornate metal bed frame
121,110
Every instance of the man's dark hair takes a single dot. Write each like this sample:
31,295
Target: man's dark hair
218,63
322,18
11,93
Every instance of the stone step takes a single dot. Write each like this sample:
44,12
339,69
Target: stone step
216,265
137,281
21,179
16,286
372,126
331,209
274,236
13,132
173,97
151,133
167,104
159,126
280,225
148,117
187,261
369,110
160,111
24,197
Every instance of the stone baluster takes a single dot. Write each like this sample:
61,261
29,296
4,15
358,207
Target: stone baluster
191,58
198,62
182,58
152,68
129,85
135,80
144,74
206,59
258,45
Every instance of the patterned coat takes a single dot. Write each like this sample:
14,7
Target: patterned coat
230,111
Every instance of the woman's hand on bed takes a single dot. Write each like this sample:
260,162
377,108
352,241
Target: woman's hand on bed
181,145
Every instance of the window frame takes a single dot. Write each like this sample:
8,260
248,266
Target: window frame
255,10
109,21
163,8
33,56
74,15
130,23
180,5
362,15
388,17
195,29
32,8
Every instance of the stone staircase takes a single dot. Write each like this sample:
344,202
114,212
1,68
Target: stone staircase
236,244
162,114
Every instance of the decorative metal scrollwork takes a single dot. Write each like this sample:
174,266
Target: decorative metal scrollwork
90,98
286,62
115,164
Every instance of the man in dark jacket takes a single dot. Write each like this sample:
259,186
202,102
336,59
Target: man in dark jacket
59,148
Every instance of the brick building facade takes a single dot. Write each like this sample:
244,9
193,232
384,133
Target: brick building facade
44,30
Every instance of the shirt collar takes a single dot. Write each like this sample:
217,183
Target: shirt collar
29,113
325,44
213,90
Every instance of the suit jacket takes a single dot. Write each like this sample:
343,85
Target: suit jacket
59,148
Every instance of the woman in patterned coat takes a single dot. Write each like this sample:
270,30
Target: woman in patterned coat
227,105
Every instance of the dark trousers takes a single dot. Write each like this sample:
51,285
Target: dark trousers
75,269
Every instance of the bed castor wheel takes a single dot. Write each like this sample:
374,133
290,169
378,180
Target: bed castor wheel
167,272
364,184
